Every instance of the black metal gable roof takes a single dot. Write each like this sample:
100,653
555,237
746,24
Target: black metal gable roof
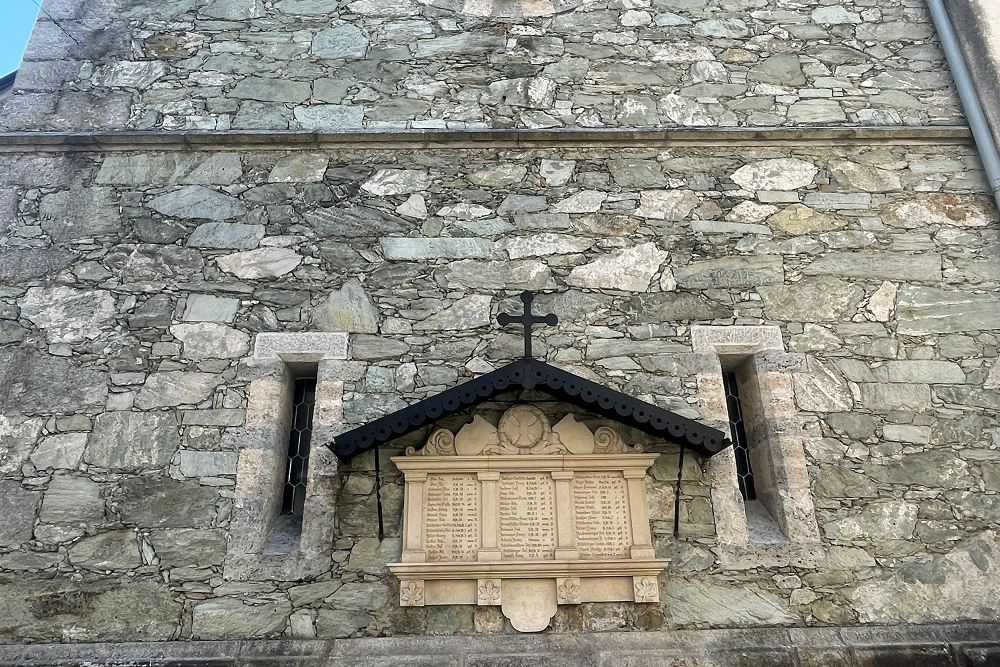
533,374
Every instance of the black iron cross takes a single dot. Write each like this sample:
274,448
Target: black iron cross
527,320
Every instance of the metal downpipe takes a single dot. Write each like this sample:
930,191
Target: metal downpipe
967,94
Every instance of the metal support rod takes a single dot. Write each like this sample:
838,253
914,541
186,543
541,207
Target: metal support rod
967,94
378,497
677,494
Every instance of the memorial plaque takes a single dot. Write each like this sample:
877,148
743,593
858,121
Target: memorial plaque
601,515
526,516
451,520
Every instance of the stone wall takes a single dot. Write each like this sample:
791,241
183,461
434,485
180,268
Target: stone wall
134,281
313,64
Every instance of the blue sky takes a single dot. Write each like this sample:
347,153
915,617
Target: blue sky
17,17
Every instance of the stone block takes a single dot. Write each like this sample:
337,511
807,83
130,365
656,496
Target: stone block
930,372
299,168
231,618
669,205
172,388
161,502
628,270
189,547
360,596
113,550
928,310
811,300
907,433
60,451
329,117
114,444
776,174
197,202
160,169
395,248
260,263
208,340
934,468
541,245
308,594
878,520
231,235
21,264
342,41
18,506
78,214
396,182
72,499
69,315
822,389
194,463
335,623
692,601
739,272
215,417
879,397
210,308
466,313
512,274
264,89
348,309
877,266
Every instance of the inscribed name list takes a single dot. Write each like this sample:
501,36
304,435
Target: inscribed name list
451,518
601,515
527,516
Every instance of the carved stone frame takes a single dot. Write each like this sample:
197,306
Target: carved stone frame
262,444
528,588
786,477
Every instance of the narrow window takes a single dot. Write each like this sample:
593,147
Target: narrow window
739,434
299,437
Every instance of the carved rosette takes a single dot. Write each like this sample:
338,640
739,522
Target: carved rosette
488,593
568,590
647,589
411,594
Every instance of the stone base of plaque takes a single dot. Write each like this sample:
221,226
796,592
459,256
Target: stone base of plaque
528,592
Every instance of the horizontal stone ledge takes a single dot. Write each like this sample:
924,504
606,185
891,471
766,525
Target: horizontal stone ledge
952,644
517,138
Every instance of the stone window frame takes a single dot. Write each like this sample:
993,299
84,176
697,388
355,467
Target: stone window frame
769,367
262,444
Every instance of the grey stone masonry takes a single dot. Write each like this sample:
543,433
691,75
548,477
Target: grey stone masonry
134,415
306,64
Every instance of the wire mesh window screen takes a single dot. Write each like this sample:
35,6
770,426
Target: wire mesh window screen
741,446
300,435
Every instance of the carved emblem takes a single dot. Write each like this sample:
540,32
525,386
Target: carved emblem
568,591
411,594
489,592
524,430
646,589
